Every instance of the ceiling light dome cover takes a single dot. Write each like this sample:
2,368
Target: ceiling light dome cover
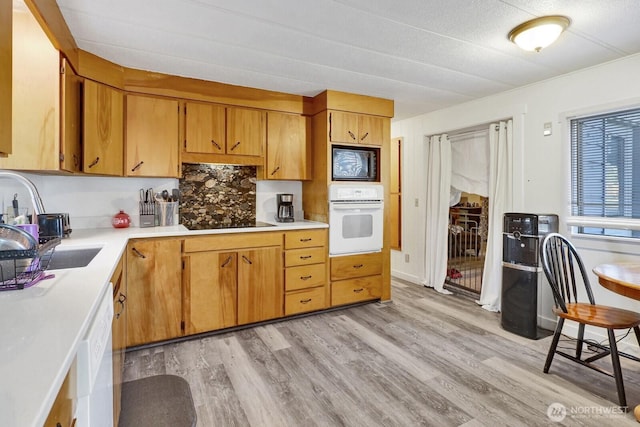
538,33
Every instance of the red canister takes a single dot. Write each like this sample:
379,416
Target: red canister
121,220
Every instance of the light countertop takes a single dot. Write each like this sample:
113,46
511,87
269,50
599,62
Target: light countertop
41,327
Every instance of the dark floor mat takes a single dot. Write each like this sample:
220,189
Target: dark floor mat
161,400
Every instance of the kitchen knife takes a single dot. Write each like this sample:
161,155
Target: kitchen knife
15,205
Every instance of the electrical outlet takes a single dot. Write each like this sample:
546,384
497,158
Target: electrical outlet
406,257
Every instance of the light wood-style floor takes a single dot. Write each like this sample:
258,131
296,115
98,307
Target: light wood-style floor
424,359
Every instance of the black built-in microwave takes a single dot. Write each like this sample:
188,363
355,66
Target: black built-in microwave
354,163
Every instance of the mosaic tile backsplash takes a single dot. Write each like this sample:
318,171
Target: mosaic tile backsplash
217,196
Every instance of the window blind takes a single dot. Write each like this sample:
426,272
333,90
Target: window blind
605,168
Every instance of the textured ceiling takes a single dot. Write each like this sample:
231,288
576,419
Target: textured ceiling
423,54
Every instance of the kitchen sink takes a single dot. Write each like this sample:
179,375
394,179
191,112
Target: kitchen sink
72,258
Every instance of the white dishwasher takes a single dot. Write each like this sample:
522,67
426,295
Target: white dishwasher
95,369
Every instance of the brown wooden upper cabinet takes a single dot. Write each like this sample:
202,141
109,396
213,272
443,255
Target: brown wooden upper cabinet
30,128
288,146
152,136
6,71
70,118
352,128
216,129
103,130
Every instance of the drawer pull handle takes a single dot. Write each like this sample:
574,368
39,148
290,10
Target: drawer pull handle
358,266
226,262
235,145
357,291
352,135
95,162
364,136
216,144
305,301
136,167
121,300
305,277
275,170
305,257
308,239
138,253
247,260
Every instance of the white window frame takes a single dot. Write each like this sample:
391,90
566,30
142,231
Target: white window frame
576,222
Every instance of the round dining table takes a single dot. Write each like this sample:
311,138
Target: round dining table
623,279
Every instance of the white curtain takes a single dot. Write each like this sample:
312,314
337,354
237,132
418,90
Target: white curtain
437,211
500,201
470,162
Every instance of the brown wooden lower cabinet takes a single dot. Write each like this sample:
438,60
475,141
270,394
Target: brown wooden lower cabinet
355,290
154,290
260,285
305,300
61,413
210,291
119,335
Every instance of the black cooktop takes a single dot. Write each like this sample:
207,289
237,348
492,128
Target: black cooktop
224,226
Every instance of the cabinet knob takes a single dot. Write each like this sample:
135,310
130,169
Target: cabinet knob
136,167
138,253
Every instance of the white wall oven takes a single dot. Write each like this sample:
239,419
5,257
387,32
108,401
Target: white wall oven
355,218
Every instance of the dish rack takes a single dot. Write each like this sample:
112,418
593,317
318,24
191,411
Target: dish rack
22,268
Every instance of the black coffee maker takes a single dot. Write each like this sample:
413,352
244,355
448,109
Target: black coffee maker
285,207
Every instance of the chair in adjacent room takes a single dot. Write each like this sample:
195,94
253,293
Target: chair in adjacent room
566,274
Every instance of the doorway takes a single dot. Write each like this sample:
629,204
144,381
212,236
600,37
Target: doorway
467,242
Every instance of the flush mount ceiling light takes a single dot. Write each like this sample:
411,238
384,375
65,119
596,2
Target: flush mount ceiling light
538,33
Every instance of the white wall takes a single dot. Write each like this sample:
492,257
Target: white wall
92,201
541,163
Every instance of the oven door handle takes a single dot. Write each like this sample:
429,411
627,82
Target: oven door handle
356,207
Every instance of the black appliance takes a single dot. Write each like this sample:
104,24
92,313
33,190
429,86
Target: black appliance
354,163
53,225
525,293
285,207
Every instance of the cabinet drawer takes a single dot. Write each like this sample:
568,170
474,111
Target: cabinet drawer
304,256
347,267
305,239
306,300
355,290
305,276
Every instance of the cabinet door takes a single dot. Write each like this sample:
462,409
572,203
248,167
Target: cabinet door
288,148
343,127
154,272
205,128
70,119
103,131
210,291
260,285
246,131
119,340
370,129
6,71
152,142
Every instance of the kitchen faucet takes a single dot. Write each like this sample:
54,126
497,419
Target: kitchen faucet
38,207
